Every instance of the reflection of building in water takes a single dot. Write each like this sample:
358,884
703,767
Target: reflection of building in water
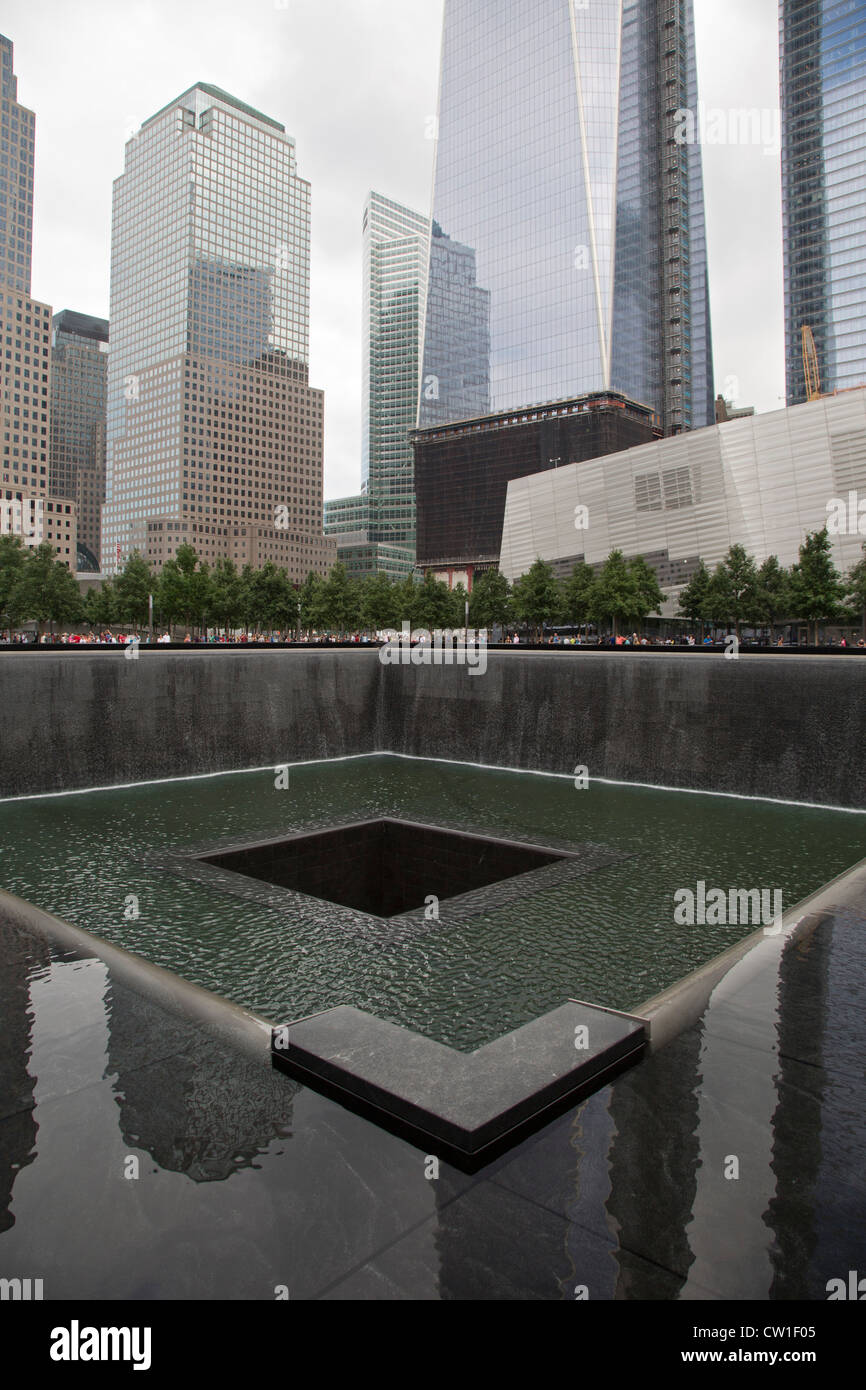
455,381
206,1110
798,1162
652,1159
22,956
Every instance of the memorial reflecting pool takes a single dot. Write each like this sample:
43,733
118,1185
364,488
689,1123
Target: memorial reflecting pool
125,865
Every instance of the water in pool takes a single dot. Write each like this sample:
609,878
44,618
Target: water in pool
608,936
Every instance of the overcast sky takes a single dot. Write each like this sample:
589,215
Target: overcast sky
355,82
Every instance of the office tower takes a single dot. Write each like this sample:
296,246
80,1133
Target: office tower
823,84
569,195
568,255
376,528
214,436
79,374
18,126
27,505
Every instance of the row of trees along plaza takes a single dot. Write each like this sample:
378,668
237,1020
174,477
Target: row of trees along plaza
36,587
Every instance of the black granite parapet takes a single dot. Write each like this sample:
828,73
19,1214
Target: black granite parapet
791,727
464,1106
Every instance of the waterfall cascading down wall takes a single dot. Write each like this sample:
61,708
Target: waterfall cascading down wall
774,726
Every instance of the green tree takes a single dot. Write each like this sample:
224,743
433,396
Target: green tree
247,598
536,598
378,607
273,603
101,607
433,605
341,600
179,595
133,587
733,594
695,597
774,592
311,603
856,590
227,599
615,596
816,585
13,556
459,599
45,590
406,602
648,595
577,594
490,600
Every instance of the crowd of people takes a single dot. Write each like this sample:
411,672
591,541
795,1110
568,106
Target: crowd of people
557,639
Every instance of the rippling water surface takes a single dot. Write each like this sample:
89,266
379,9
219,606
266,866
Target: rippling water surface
608,937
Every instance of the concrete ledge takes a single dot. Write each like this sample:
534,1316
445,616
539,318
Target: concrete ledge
236,1026
463,1104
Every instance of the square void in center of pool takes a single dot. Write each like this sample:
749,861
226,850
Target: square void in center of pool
385,867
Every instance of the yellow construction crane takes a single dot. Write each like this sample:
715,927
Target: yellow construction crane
810,364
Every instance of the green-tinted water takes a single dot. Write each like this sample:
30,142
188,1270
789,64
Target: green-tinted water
608,937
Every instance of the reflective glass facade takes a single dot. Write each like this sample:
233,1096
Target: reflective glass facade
823,81
79,372
214,435
568,250
396,245
17,152
27,506
395,254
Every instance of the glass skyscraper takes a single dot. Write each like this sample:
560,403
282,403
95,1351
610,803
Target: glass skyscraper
214,435
568,249
17,156
79,371
28,507
823,81
376,528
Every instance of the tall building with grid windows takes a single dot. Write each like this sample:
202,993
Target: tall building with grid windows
214,435
28,506
568,255
565,174
79,373
376,528
823,84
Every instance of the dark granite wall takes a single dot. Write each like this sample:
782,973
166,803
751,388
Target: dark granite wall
790,727
780,726
98,719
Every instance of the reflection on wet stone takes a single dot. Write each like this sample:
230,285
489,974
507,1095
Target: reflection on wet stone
205,1110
